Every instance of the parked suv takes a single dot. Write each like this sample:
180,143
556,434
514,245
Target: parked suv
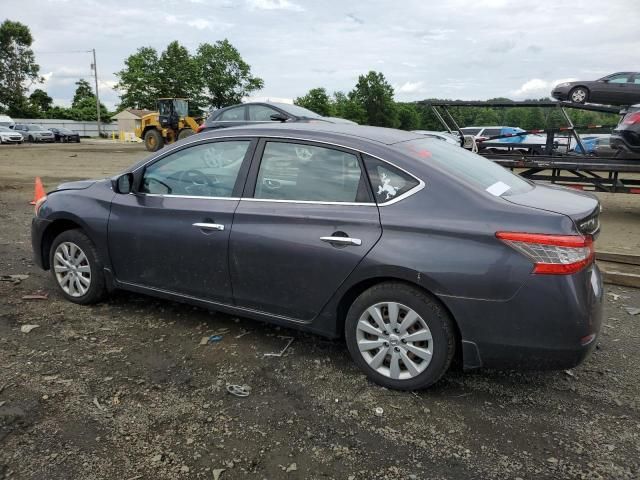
35,133
626,136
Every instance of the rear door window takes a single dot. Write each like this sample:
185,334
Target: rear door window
470,131
466,166
622,78
302,172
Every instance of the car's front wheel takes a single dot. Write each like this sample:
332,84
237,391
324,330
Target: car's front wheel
579,95
400,336
77,268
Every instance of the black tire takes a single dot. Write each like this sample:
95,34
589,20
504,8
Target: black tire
153,141
184,133
581,94
30,139
434,315
97,288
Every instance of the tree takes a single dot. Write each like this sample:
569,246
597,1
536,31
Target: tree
83,91
85,110
178,74
317,100
40,100
408,117
375,95
18,67
225,75
346,107
139,80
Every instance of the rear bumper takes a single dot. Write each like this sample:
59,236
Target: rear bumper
38,226
625,140
551,323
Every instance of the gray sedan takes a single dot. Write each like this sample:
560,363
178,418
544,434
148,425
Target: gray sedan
412,250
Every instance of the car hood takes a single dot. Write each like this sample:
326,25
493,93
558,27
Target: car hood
554,198
78,185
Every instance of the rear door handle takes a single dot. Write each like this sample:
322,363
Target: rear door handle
209,226
342,240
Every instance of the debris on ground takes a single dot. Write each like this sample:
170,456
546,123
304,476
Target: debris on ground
379,411
239,390
217,472
292,468
279,354
210,339
632,310
36,296
28,328
15,279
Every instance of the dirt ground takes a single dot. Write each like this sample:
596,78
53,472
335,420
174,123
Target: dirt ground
124,390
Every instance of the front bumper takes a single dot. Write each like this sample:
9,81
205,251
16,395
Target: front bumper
38,226
551,323
560,94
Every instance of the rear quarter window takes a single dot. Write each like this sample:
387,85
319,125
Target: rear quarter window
388,182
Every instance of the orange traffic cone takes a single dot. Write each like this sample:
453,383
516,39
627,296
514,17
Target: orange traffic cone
39,191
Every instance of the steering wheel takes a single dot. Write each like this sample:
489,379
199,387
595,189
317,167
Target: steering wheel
196,181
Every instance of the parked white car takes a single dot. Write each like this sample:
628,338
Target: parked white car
7,121
8,135
445,136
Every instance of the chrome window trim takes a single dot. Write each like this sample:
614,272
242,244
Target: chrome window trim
408,193
171,195
312,202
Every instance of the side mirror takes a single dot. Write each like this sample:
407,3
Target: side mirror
123,184
279,117
605,80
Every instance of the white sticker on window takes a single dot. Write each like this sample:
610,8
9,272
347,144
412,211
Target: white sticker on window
386,187
498,188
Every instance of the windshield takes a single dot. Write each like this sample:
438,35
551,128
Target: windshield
182,107
36,128
65,131
297,111
5,129
466,166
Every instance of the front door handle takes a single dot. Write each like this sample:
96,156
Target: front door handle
209,226
342,240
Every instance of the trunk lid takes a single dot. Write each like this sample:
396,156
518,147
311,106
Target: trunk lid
582,207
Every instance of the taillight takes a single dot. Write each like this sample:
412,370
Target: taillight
552,254
631,118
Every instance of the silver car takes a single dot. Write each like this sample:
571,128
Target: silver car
8,135
35,133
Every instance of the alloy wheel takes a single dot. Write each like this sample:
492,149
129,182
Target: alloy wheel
579,96
72,269
394,340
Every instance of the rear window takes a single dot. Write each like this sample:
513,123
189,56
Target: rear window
470,131
466,166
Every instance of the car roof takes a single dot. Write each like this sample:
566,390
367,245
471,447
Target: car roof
386,136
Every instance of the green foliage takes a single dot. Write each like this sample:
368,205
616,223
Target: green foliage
40,100
375,95
408,116
344,106
139,80
83,90
225,76
317,100
215,76
18,67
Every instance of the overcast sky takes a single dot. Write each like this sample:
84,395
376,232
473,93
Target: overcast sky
447,48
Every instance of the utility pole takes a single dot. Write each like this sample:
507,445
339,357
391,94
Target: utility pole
94,67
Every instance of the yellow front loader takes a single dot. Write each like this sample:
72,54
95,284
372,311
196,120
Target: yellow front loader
170,123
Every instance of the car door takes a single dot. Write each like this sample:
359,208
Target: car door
614,90
306,219
633,97
171,234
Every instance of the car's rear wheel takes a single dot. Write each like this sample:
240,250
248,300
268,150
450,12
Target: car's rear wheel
400,336
77,268
153,141
579,95
184,133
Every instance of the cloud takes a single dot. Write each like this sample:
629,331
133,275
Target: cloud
274,5
410,87
538,87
